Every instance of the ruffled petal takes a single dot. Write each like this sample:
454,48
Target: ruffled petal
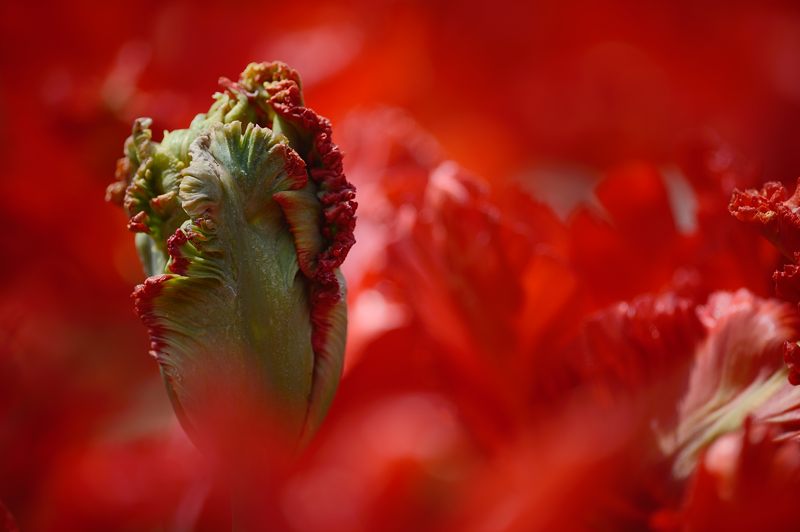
737,371
774,211
231,323
275,90
638,344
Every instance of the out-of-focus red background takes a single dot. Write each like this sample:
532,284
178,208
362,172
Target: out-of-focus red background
541,99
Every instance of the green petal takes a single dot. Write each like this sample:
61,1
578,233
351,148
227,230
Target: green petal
236,315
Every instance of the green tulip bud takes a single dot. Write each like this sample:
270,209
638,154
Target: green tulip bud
242,221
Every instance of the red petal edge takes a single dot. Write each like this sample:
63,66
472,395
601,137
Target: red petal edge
791,356
143,296
774,211
787,281
179,263
777,214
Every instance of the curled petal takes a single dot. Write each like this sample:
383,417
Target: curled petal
277,90
774,211
791,356
737,372
787,281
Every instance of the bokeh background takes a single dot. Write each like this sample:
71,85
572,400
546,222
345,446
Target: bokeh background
460,122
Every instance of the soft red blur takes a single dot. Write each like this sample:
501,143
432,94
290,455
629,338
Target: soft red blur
543,231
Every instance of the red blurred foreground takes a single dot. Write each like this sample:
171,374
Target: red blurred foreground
555,322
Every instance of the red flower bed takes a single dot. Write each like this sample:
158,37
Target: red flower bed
572,300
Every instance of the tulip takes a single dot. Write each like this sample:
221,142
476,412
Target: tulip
242,221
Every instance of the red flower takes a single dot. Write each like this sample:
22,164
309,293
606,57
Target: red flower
506,366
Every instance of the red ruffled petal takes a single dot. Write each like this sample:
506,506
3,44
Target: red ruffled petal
791,356
774,211
787,282
143,296
639,343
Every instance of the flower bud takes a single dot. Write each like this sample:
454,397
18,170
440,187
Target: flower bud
242,221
